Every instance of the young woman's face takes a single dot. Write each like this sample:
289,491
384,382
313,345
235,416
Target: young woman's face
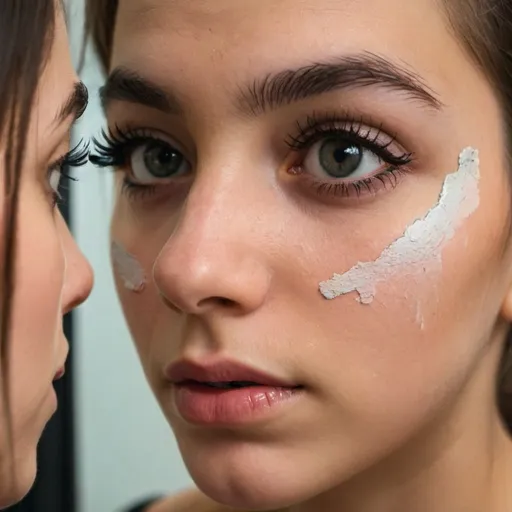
52,276
264,147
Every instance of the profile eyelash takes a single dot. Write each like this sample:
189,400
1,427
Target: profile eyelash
77,157
318,127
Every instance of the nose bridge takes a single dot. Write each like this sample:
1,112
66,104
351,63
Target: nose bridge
212,255
212,212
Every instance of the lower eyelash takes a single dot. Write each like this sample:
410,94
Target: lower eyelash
136,191
387,179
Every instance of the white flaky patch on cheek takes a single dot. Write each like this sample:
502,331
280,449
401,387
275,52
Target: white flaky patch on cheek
420,248
128,268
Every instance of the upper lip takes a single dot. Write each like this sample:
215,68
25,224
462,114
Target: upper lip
221,371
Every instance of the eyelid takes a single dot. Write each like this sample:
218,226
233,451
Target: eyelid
325,123
320,126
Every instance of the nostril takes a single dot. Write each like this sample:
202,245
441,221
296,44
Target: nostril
219,301
228,303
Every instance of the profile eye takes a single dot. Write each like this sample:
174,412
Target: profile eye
157,160
55,176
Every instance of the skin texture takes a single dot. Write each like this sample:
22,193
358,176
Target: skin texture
52,278
393,416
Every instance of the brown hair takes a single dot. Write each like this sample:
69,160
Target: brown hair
26,29
484,28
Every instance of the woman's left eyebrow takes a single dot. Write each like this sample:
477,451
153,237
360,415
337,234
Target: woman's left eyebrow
350,71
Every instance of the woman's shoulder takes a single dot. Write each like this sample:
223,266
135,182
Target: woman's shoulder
188,501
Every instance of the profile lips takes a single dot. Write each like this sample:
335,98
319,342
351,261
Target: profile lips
221,375
59,374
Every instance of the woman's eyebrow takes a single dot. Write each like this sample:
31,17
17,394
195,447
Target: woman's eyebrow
282,88
75,104
346,72
127,85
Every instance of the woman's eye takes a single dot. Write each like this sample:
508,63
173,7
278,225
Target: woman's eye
155,161
54,179
336,157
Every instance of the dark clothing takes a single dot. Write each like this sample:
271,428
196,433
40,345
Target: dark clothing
142,506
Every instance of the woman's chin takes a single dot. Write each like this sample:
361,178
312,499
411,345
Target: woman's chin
252,484
250,497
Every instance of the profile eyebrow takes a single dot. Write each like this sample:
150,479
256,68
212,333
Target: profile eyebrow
126,85
76,103
347,72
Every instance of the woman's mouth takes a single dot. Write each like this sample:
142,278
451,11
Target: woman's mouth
227,393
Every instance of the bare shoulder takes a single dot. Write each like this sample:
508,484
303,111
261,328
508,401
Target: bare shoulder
188,501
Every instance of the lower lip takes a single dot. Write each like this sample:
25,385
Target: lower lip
210,406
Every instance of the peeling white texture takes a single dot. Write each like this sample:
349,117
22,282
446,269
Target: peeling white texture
419,316
128,268
421,245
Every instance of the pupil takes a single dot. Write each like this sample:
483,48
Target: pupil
162,161
340,158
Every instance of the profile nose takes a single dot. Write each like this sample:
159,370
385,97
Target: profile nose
79,276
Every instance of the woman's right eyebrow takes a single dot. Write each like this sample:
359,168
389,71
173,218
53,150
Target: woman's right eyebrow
285,87
127,85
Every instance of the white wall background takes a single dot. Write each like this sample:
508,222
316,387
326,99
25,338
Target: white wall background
125,449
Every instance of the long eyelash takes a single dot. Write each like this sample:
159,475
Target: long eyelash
77,157
318,127
113,146
114,151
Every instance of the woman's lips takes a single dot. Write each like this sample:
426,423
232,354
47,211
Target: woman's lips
59,374
226,393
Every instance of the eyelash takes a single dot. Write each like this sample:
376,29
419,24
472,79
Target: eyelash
114,152
320,126
117,145
76,157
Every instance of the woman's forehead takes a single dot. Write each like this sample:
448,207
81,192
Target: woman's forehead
347,16
237,42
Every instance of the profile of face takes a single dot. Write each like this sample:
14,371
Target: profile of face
263,147
52,276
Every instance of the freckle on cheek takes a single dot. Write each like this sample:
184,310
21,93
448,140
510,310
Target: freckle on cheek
419,249
128,268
